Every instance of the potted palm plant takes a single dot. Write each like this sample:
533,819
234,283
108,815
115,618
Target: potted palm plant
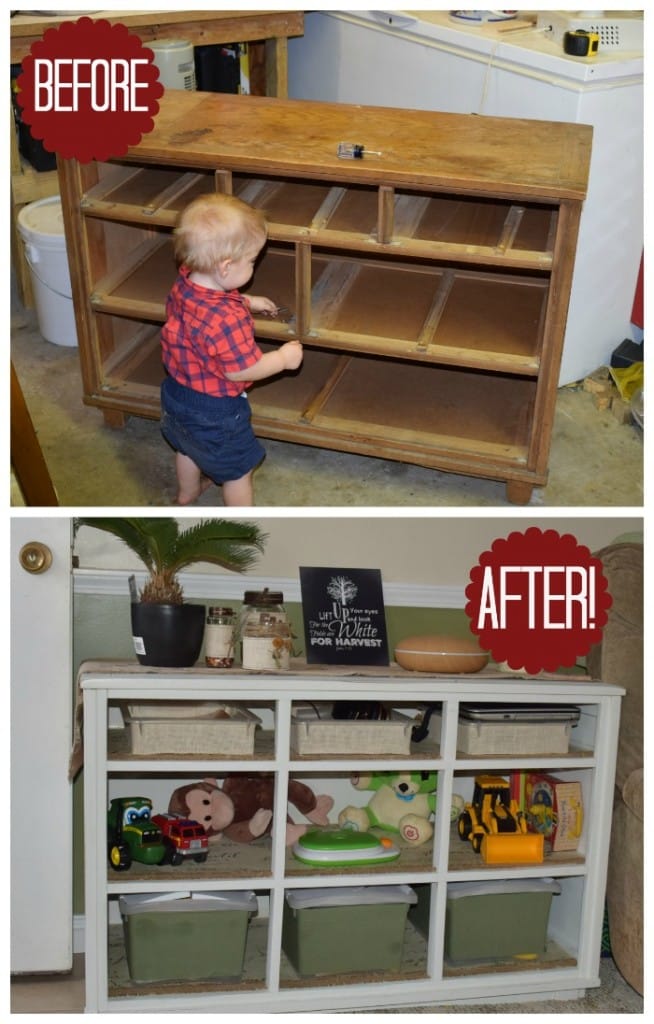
168,632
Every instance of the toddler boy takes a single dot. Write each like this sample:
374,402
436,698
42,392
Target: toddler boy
209,350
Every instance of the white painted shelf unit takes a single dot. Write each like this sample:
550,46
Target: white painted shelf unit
571,964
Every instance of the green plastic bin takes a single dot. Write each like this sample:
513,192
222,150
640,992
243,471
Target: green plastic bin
492,920
341,930
186,936
419,913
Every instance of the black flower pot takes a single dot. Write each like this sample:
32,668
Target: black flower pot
168,635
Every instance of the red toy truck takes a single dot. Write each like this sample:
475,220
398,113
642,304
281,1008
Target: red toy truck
183,837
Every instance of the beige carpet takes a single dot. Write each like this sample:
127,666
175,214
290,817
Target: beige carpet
64,994
613,996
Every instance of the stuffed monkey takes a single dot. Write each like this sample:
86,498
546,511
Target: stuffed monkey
205,803
253,796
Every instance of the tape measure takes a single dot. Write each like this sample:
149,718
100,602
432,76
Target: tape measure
580,43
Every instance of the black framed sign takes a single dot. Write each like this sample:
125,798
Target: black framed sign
344,620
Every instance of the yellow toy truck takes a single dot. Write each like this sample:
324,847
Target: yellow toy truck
495,826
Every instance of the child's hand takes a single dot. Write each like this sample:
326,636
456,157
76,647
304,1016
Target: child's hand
292,354
260,304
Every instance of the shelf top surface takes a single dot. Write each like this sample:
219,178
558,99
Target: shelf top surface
463,152
303,678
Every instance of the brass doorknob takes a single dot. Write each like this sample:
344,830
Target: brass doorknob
35,557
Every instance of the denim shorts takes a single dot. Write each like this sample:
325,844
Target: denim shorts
215,432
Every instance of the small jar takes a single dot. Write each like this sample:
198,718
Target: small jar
266,639
220,638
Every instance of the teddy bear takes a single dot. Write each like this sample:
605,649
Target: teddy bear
242,809
402,802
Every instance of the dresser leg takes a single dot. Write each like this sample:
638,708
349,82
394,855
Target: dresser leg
114,418
518,492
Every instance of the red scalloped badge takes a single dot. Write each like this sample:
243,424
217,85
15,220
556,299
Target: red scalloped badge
537,600
89,90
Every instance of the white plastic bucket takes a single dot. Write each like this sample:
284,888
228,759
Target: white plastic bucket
41,225
176,62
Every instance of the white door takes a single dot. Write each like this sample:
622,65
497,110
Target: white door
41,734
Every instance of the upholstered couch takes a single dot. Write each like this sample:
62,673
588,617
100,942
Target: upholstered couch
619,659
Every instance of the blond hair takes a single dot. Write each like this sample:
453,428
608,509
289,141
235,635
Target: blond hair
216,227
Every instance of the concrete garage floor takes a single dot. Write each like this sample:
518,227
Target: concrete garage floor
595,461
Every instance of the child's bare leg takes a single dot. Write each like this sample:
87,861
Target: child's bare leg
239,492
191,482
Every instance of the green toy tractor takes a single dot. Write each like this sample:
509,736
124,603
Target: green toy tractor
132,835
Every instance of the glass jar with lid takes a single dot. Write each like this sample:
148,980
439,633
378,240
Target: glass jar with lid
266,638
220,638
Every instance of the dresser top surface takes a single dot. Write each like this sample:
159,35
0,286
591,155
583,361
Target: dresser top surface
398,683
461,152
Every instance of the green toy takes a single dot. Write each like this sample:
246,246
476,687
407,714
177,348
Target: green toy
342,846
131,833
402,802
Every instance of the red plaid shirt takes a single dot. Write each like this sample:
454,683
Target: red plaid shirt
206,335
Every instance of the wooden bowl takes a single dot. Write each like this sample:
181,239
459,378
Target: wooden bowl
440,654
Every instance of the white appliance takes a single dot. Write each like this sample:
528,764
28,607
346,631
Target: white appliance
429,60
616,30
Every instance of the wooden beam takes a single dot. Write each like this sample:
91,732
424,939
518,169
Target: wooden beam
27,461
